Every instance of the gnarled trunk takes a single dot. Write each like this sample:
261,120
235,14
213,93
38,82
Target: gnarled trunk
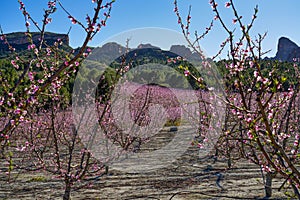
268,184
296,191
67,193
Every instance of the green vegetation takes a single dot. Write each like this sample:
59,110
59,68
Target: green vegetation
282,72
20,41
152,62
38,179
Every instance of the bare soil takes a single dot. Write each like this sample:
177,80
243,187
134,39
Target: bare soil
188,177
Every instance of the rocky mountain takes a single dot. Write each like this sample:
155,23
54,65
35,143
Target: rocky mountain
19,40
147,55
108,52
147,46
287,50
184,52
112,50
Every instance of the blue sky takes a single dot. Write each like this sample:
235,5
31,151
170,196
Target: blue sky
277,17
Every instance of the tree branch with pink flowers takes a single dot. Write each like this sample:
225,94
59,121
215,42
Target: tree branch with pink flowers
36,131
261,112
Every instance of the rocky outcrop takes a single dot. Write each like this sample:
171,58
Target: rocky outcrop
287,50
181,50
147,46
108,52
184,52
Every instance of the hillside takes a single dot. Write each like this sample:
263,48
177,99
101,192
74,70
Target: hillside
19,41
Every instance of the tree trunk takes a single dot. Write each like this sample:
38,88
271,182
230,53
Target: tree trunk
296,191
67,194
229,163
106,169
268,184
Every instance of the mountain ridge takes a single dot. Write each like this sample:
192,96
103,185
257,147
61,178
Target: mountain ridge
287,50
20,40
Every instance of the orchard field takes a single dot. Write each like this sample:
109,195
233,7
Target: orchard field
147,123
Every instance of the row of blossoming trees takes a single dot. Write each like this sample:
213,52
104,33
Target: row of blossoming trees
37,131
262,118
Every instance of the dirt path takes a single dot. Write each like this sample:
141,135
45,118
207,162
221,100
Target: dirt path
188,177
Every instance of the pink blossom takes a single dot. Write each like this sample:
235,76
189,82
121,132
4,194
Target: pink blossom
249,119
17,111
270,115
34,88
14,63
21,119
259,78
27,24
251,64
255,73
293,151
30,76
51,4
214,5
227,4
73,20
12,122
265,80
266,168
48,51
249,134
31,46
186,73
22,6
189,18
126,68
48,20
98,27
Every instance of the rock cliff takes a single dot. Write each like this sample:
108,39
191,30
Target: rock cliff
287,50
